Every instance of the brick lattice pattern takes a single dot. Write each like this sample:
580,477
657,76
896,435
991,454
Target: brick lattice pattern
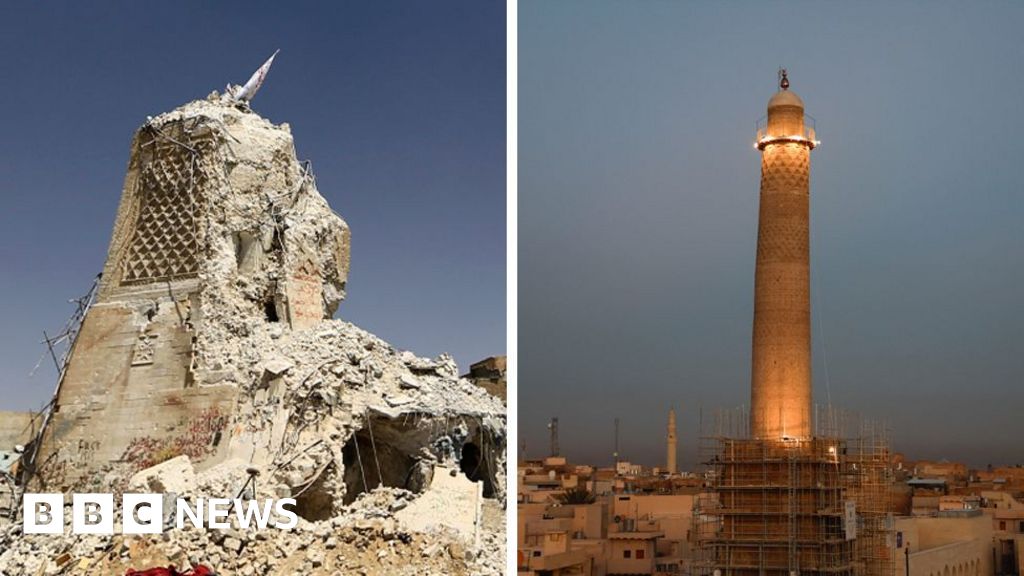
164,244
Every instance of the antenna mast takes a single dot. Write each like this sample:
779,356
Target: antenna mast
553,426
616,453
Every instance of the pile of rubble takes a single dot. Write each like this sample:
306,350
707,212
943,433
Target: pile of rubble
214,322
369,537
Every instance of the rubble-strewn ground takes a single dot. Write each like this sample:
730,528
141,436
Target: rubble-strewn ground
365,540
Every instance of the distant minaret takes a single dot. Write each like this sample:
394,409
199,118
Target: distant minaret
670,460
780,404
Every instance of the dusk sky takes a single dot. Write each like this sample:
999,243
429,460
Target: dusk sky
638,196
400,106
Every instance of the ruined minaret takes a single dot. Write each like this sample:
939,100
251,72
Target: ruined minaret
221,237
781,365
214,316
670,458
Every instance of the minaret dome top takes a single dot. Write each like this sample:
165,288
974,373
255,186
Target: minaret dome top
785,98
784,122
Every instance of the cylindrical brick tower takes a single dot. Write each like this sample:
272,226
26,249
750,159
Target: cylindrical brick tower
780,391
670,457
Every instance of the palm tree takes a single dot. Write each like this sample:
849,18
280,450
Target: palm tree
577,495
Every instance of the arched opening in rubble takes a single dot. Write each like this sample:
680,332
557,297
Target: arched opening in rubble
482,456
386,452
474,466
270,311
401,453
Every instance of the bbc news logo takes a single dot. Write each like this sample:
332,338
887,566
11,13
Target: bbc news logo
145,513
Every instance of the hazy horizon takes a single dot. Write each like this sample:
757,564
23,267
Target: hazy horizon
638,196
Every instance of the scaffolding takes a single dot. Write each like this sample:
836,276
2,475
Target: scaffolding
795,506
869,485
65,340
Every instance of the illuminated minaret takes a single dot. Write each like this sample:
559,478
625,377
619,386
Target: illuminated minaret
780,403
670,460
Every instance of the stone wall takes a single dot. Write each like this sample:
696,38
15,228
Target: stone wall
15,428
490,374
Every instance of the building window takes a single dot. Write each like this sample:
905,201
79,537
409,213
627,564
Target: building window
627,553
1022,526
640,554
1002,524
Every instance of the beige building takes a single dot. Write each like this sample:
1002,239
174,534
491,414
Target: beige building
617,534
552,556
490,374
948,544
1007,514
560,540
671,515
949,471
625,468
632,552
16,428
16,431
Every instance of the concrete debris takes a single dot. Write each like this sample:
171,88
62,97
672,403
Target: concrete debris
277,366
408,381
175,475
451,501
398,399
365,540
210,366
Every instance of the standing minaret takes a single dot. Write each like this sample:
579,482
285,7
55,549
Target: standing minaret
780,398
670,460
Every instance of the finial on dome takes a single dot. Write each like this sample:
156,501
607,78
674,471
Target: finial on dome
783,79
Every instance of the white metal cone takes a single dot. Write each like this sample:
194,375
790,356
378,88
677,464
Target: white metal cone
256,80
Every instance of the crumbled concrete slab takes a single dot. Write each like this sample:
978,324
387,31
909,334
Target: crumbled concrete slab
451,501
277,366
173,476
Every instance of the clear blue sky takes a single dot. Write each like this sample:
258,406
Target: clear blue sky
638,192
399,105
